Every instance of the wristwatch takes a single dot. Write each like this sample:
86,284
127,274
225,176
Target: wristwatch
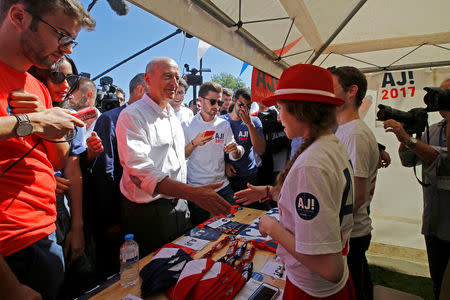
411,143
24,126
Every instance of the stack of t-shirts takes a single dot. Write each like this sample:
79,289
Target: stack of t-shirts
204,279
163,270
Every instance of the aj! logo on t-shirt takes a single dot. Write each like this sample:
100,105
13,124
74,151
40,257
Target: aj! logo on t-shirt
307,206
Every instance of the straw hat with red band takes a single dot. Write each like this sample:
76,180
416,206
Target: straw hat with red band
305,83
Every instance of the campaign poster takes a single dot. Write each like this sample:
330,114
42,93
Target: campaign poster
263,85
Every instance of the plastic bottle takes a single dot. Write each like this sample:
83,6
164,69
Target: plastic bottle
129,261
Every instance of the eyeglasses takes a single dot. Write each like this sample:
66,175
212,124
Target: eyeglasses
214,101
64,39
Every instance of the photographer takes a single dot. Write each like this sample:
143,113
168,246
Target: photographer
431,151
275,157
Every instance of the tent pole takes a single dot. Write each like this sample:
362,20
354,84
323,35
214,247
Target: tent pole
337,31
407,67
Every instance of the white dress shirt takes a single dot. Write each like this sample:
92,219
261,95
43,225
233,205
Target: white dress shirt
150,143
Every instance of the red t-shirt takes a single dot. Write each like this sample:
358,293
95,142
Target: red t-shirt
27,190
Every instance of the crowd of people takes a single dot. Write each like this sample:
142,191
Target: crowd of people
153,167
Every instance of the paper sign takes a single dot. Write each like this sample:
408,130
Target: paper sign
274,269
192,242
402,89
218,223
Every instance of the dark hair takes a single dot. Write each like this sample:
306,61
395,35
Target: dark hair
227,91
44,74
183,83
119,90
244,92
320,117
139,79
348,76
71,8
209,86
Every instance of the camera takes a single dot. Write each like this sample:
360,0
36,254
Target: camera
106,95
416,119
273,131
437,99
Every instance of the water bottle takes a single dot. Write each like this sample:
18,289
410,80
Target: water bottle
129,261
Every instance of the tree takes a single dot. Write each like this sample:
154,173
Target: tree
229,81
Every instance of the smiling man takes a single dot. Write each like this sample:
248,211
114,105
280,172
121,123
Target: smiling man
32,33
150,141
206,152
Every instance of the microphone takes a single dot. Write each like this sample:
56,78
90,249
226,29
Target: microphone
119,6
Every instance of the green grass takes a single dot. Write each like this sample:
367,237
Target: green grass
416,285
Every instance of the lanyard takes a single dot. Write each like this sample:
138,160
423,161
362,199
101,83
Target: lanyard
219,245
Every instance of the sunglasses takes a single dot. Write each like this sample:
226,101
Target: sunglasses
241,105
58,77
214,101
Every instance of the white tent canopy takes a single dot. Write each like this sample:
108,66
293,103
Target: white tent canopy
372,35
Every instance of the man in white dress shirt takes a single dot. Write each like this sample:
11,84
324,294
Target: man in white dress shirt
150,141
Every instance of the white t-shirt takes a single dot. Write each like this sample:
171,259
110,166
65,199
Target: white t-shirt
185,115
316,207
363,150
206,164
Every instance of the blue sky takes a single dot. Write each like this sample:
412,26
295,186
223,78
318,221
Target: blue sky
118,37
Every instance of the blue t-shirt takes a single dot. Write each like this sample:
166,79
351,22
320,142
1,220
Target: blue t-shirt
246,165
76,146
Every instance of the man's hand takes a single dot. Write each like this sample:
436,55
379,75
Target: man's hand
21,102
74,243
232,148
62,185
384,159
230,170
244,114
94,146
397,128
208,199
53,123
266,224
200,140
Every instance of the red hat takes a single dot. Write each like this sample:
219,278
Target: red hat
305,83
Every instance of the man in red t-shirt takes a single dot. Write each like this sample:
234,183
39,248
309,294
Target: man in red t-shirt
32,33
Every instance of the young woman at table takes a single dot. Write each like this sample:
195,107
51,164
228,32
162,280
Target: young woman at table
315,190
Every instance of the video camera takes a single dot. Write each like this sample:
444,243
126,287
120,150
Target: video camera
106,95
415,120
